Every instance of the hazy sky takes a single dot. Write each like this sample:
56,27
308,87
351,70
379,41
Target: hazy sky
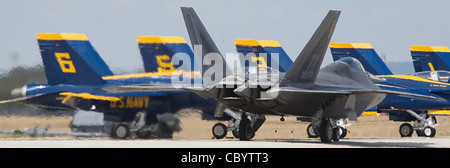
112,26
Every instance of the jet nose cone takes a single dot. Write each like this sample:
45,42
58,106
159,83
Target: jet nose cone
18,92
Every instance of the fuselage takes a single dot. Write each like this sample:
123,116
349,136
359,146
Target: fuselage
331,92
413,84
48,96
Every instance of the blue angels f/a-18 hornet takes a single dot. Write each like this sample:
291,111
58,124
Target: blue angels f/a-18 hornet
422,111
76,73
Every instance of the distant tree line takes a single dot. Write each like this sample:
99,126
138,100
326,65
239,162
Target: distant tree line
18,77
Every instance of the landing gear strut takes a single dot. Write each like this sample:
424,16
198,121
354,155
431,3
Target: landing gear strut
242,126
164,127
329,131
424,125
340,126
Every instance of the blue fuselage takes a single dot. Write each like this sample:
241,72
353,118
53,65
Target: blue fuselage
413,84
152,102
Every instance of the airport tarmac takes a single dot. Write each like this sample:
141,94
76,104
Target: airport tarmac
415,142
368,131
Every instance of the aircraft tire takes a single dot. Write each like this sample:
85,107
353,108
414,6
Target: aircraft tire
429,131
336,134
235,133
219,130
326,131
406,130
121,131
244,130
312,133
342,132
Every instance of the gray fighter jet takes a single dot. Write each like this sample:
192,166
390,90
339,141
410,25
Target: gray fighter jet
338,91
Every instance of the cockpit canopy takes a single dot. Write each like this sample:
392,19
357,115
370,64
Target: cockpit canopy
441,76
356,65
353,63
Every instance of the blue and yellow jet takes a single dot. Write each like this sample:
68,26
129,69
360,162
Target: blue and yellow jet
76,73
400,108
430,58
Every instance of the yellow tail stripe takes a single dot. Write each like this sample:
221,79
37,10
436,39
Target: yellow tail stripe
61,36
429,49
160,39
269,43
351,45
246,42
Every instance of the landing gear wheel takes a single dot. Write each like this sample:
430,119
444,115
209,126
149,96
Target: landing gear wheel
312,133
244,130
121,131
219,130
342,132
429,131
326,131
406,130
336,134
235,133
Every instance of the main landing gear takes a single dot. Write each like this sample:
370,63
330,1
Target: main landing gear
334,128
327,129
424,125
139,127
242,126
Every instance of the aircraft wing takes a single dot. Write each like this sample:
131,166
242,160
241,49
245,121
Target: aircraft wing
365,91
300,90
19,99
404,94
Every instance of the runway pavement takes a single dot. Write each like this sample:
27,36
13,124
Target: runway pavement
415,142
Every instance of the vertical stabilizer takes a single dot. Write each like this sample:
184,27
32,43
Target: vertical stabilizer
71,59
430,58
306,66
364,53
